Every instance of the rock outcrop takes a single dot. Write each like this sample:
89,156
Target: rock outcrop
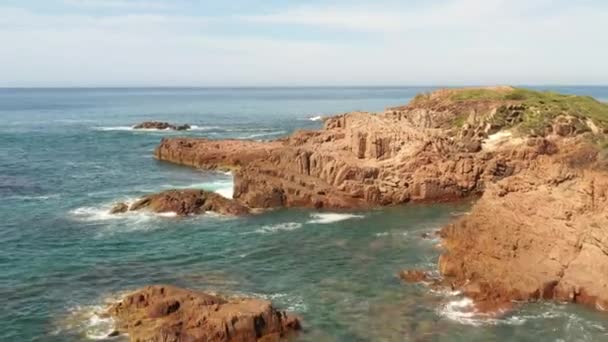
537,232
541,234
171,314
184,202
161,125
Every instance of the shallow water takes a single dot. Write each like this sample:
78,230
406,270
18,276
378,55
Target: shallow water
67,155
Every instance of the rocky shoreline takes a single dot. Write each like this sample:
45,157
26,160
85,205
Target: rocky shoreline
536,160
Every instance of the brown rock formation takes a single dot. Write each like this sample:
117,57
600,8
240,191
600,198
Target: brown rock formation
414,276
170,314
538,230
185,202
160,125
359,159
541,234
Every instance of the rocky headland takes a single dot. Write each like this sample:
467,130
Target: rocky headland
171,314
537,162
161,125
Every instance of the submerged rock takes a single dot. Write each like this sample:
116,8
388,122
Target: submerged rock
171,314
161,125
189,202
414,276
119,208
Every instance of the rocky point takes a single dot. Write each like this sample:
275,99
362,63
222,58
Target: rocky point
537,162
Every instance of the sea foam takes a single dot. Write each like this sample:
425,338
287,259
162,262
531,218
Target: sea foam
326,218
274,228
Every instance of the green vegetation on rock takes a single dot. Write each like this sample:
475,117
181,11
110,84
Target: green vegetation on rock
538,109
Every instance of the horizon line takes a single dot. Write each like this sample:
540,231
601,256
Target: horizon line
297,86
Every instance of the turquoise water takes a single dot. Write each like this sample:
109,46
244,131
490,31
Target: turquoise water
67,155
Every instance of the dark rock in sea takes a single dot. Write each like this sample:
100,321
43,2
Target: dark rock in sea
171,314
182,127
189,202
119,208
161,125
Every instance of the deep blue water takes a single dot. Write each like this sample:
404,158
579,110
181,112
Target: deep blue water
67,154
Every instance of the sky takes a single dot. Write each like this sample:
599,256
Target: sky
72,43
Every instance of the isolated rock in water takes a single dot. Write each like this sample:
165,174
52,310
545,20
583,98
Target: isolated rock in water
171,314
119,208
189,202
161,125
182,127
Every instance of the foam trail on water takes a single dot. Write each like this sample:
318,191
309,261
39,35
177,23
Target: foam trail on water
326,218
259,135
88,321
316,118
224,187
288,226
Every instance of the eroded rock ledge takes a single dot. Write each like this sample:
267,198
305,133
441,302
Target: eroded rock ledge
171,314
184,202
540,229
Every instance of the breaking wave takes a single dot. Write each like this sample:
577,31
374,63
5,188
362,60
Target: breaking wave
326,218
274,228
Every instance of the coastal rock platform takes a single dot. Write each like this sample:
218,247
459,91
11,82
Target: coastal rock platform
172,314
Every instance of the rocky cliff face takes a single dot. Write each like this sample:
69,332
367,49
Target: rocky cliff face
541,234
359,159
537,231
171,314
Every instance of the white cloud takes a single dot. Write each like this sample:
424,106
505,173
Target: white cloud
455,42
119,4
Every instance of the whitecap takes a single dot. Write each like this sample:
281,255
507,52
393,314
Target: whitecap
36,198
227,192
384,234
222,187
259,135
316,118
115,128
287,302
461,310
102,213
288,226
326,218
203,128
88,321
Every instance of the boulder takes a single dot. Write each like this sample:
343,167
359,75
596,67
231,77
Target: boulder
189,202
119,208
171,314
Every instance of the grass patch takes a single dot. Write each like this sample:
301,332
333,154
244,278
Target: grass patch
540,107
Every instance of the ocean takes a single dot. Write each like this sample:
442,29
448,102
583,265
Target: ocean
67,154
